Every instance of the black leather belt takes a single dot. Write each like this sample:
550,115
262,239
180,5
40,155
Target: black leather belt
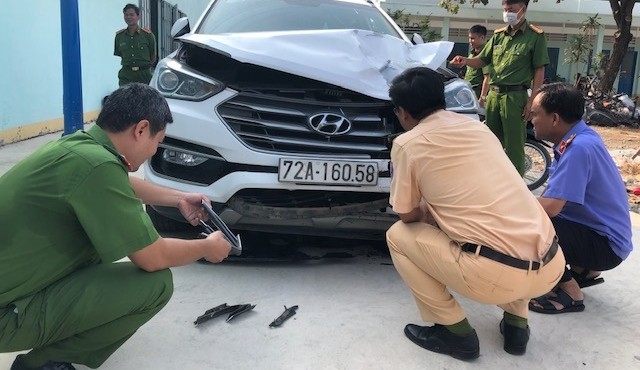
501,89
512,261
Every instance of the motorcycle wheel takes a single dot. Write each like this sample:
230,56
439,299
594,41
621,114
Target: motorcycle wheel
536,164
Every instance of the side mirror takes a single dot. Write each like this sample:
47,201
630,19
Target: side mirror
416,39
181,27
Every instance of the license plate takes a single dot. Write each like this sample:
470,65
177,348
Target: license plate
327,172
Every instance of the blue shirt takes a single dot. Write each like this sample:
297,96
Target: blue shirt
584,174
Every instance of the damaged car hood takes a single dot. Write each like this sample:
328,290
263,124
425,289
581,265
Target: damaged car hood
362,61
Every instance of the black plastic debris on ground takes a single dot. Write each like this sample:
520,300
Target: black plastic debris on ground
233,311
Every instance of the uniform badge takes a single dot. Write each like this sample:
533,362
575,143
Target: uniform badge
565,143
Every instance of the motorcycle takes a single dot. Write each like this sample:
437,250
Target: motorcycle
612,111
536,160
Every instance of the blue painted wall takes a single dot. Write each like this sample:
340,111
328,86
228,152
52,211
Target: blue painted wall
31,60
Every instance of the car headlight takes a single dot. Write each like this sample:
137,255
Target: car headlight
176,81
459,97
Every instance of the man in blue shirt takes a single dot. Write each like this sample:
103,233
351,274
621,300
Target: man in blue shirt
585,198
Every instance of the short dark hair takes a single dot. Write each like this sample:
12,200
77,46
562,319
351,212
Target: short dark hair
419,91
131,104
478,30
131,6
511,2
563,99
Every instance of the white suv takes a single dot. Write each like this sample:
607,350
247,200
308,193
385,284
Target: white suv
282,117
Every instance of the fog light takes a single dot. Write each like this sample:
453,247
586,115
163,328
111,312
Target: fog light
182,158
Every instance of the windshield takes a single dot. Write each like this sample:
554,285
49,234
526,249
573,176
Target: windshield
231,16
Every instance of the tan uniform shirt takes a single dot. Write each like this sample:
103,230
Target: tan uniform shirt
457,165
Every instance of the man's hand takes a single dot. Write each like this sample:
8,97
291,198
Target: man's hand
191,208
218,248
429,219
458,61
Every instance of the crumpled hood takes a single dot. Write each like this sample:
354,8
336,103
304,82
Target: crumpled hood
357,60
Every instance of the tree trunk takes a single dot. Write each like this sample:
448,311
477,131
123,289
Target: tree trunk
622,12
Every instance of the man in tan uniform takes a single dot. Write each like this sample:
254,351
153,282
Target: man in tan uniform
467,222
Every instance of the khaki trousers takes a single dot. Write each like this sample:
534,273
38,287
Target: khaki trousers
430,262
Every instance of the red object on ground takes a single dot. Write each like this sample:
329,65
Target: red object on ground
636,191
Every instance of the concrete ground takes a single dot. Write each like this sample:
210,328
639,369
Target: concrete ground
351,315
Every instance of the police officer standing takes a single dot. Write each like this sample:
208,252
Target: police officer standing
477,77
518,55
137,48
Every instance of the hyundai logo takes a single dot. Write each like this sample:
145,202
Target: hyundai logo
329,124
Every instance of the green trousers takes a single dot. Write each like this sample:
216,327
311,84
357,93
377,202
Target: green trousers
126,75
85,317
504,118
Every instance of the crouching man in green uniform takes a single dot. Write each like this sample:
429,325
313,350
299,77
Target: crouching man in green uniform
68,212
517,54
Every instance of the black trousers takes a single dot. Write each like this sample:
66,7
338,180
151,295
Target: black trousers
583,247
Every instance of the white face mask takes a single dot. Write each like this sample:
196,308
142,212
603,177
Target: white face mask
510,18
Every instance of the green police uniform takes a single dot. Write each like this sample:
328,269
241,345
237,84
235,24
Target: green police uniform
476,76
138,53
513,60
68,212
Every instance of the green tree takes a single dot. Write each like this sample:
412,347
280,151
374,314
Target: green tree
403,20
580,47
622,11
399,16
577,50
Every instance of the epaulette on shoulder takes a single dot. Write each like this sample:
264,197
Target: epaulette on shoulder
146,30
501,29
121,31
535,28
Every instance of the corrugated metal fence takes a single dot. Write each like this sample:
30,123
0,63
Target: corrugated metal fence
159,16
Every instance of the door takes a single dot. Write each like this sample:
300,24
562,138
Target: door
551,69
625,79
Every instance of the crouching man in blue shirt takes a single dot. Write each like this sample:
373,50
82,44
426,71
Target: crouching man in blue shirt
585,198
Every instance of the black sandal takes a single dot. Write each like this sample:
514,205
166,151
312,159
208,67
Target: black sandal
568,304
584,281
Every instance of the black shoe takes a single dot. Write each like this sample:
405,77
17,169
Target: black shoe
439,339
18,365
515,338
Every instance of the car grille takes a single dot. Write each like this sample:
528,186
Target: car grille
281,124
